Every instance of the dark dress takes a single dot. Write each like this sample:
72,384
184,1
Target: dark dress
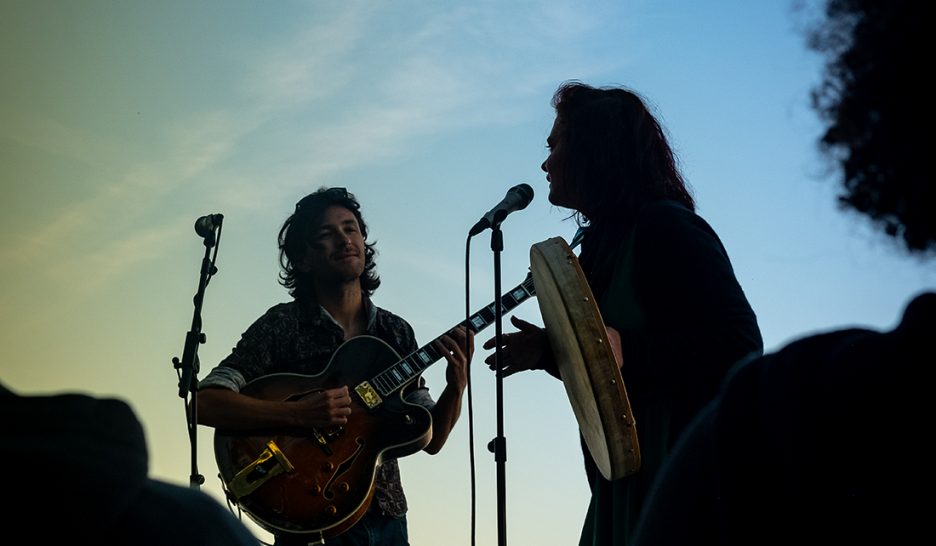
666,284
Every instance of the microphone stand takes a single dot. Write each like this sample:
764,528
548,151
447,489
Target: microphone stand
498,445
189,365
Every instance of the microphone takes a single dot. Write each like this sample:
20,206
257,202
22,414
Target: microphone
206,225
518,197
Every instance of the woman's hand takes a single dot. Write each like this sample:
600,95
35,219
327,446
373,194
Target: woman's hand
614,339
526,349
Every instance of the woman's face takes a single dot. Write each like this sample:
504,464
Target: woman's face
561,193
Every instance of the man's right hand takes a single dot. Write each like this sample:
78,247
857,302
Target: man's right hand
325,408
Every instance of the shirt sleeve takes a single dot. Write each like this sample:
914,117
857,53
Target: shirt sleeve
420,394
223,377
252,357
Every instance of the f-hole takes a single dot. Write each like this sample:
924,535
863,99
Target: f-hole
328,492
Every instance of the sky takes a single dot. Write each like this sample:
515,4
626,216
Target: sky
123,122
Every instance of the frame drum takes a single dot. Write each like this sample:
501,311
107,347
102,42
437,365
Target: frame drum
585,360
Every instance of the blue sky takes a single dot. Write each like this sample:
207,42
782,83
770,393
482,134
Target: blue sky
122,122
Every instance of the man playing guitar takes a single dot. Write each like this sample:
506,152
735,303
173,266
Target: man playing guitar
352,490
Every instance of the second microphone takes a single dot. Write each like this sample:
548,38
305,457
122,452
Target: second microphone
517,198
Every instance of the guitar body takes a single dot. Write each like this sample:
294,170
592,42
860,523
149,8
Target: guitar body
321,482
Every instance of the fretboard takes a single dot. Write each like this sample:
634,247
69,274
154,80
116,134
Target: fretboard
401,373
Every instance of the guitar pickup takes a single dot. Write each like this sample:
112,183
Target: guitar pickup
368,394
271,462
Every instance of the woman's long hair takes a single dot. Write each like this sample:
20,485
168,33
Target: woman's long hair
617,157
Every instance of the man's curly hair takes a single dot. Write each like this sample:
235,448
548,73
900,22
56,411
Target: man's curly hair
294,236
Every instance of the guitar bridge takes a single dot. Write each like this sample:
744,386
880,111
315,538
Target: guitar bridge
368,394
271,462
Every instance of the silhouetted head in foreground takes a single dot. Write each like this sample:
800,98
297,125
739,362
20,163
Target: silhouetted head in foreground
879,113
784,454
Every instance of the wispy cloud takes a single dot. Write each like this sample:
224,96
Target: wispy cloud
355,86
102,266
52,137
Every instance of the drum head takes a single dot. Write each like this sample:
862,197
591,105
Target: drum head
586,363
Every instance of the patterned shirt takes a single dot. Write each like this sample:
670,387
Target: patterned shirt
290,338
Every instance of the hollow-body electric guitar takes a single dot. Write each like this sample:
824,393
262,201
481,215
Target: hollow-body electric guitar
319,484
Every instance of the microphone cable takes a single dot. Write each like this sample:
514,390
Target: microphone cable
471,450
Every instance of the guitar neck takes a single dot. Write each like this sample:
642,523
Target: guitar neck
407,369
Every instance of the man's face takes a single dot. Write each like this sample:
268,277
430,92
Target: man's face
335,250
